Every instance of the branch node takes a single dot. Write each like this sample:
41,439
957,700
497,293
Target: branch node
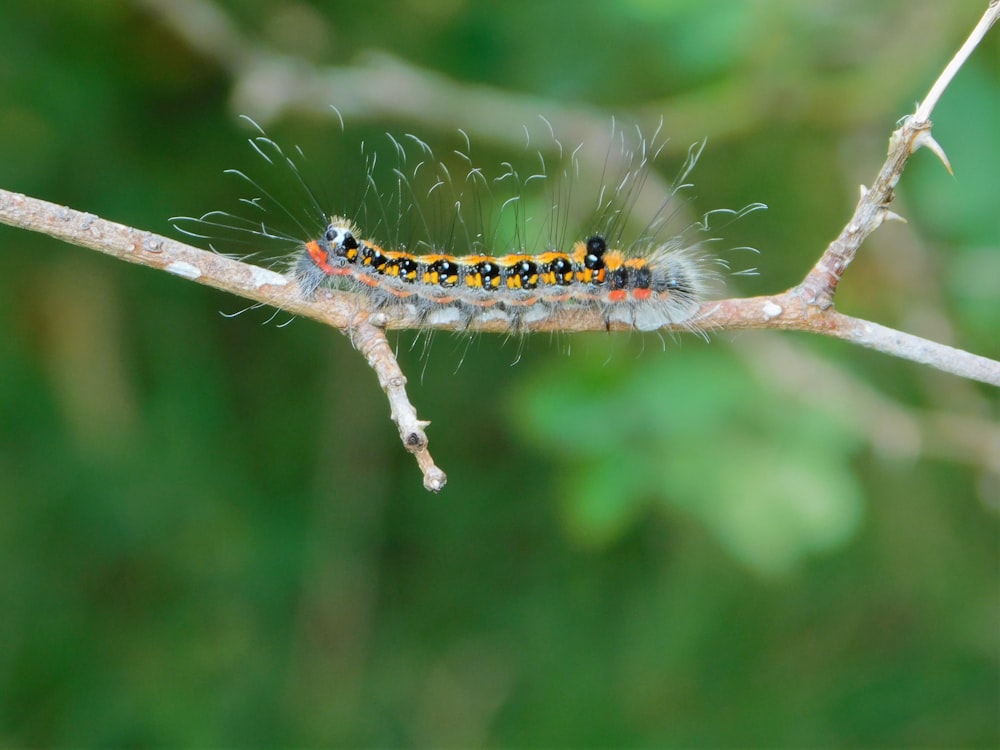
152,244
771,310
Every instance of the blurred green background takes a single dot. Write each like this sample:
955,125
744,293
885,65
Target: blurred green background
210,534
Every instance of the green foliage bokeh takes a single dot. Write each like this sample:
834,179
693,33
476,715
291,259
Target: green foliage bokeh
211,535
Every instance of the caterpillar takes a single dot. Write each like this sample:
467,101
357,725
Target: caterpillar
652,283
645,292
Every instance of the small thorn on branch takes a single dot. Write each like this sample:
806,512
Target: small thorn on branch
888,215
924,139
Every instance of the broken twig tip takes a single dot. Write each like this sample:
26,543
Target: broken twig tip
435,480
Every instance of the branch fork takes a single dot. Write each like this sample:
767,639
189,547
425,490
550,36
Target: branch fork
809,306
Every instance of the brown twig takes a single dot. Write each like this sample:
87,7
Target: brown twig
252,282
370,340
806,307
786,311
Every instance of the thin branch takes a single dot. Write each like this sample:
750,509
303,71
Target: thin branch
805,307
252,282
370,340
788,311
923,113
820,285
347,312
914,348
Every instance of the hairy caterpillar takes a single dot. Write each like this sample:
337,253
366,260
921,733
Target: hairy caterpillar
478,275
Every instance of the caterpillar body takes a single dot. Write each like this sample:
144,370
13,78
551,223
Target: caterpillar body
644,292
